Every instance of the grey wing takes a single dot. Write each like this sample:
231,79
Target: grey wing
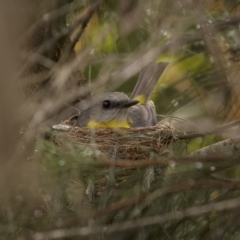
142,115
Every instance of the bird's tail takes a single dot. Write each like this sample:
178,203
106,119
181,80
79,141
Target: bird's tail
147,80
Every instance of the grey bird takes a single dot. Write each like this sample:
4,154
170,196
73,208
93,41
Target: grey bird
115,109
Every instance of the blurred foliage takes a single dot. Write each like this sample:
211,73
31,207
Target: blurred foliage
62,198
67,188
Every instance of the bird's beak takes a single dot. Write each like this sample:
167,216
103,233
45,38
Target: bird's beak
130,103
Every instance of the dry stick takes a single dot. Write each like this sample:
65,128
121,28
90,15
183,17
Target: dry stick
84,23
181,136
137,223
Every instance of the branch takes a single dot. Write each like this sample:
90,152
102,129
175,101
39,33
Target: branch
189,135
84,22
226,148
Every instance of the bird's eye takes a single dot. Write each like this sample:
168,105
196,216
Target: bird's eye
106,104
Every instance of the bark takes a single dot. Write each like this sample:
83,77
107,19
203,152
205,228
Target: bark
226,148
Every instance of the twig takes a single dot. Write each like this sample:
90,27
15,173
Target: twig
189,135
84,23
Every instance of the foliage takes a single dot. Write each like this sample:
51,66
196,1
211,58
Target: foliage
55,188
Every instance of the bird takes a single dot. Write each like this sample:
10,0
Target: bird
117,110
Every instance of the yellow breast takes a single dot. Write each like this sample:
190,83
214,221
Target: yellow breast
112,123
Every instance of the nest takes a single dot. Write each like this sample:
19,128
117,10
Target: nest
125,144
111,146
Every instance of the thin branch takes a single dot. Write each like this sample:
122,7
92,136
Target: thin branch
189,135
84,23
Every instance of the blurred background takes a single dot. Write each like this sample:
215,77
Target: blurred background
56,53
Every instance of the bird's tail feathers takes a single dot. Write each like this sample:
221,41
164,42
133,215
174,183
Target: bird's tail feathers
147,80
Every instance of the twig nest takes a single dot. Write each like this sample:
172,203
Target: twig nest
126,144
97,152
